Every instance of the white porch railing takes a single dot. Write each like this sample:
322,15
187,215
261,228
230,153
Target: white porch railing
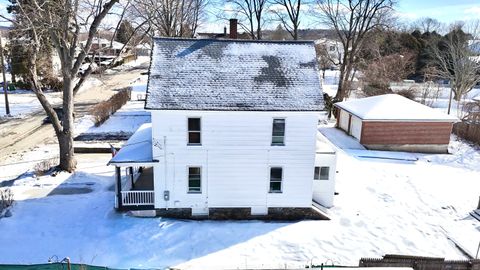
138,197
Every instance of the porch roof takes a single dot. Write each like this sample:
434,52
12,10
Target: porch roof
138,148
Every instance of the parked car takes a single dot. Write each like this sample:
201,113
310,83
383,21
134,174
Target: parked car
59,112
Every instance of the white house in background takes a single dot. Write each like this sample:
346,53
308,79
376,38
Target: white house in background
143,49
104,46
334,49
233,133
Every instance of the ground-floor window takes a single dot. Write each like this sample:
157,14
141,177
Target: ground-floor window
194,180
276,176
321,173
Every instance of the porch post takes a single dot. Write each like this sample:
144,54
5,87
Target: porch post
131,176
118,186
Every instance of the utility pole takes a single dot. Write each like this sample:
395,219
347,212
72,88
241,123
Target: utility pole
5,86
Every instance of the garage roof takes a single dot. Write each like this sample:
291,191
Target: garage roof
393,107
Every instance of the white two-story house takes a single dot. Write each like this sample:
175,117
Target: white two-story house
233,133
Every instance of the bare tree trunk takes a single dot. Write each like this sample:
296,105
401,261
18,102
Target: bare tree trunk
65,138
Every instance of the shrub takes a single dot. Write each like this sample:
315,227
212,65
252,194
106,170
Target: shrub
45,166
408,93
102,111
6,199
21,85
52,83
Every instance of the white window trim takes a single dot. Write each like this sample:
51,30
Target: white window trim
188,179
270,179
284,132
188,131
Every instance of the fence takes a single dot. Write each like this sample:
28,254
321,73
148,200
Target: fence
467,131
420,263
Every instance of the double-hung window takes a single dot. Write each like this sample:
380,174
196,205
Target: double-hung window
276,176
194,180
278,131
321,173
194,131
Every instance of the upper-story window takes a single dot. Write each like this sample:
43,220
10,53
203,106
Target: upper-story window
278,131
321,173
194,131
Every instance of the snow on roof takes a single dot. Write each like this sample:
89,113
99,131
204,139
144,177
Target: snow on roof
323,146
212,74
96,40
138,148
393,107
143,46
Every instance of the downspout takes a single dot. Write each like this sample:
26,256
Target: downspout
165,170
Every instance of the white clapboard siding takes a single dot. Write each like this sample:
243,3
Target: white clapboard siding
235,157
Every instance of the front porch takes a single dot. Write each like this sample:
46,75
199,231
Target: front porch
134,178
136,191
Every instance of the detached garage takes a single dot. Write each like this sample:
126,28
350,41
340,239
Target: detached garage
393,122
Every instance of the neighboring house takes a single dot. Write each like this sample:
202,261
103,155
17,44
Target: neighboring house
333,48
103,51
143,49
393,122
104,47
233,133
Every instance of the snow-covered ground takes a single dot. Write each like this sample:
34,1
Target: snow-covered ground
387,202
124,121
415,206
24,102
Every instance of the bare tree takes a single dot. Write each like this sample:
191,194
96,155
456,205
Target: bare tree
427,24
62,22
251,15
171,18
324,59
457,61
288,15
352,20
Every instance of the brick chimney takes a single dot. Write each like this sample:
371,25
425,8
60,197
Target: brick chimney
233,28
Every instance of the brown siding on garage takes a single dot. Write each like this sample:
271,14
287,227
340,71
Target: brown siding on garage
406,132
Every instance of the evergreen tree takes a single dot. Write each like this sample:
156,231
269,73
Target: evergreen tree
125,30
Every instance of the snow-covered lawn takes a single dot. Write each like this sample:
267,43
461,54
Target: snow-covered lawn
23,102
124,121
384,206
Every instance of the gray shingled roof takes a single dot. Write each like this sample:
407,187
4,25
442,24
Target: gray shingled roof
226,75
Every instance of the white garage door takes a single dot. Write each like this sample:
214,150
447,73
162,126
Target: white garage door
344,116
356,127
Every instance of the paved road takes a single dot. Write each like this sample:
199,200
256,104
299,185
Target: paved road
20,135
